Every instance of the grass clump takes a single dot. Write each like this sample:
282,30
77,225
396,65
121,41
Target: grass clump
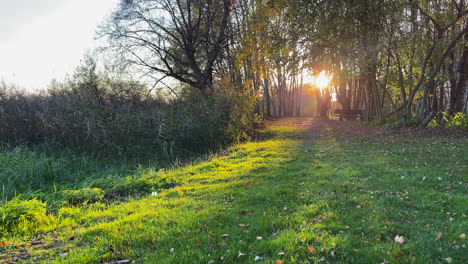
33,172
141,181
23,217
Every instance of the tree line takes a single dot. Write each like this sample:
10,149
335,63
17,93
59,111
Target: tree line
404,59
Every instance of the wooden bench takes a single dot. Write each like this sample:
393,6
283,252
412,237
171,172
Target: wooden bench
348,114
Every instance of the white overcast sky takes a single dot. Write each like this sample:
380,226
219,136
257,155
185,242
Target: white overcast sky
45,39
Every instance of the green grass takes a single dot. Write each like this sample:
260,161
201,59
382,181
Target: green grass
28,172
44,171
295,195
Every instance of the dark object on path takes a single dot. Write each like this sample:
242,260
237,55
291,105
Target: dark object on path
348,114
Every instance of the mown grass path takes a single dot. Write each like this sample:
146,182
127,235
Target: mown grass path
306,191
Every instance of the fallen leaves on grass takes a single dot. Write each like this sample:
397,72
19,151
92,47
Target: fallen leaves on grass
125,261
257,258
310,250
399,239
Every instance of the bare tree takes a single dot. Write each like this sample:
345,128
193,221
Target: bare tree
181,39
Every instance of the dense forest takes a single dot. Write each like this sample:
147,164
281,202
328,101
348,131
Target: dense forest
199,109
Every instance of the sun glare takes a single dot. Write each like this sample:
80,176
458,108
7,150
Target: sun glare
322,80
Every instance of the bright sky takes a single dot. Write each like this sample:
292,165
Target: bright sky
45,39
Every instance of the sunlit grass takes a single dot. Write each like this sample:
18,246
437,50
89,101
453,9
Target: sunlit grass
291,196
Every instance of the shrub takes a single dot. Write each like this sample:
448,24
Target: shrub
20,216
459,120
197,123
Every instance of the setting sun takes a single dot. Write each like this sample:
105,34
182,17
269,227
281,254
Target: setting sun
322,80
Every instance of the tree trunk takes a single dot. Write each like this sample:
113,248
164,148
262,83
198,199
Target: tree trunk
206,88
266,89
342,94
458,82
324,99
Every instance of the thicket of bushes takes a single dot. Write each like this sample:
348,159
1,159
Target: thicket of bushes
100,115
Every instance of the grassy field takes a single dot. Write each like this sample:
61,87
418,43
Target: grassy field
305,191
